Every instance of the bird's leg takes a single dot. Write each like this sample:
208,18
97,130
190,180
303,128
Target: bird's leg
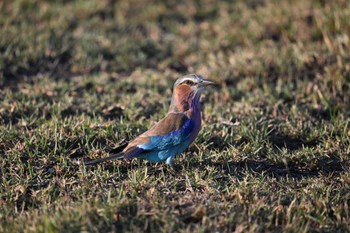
173,168
169,161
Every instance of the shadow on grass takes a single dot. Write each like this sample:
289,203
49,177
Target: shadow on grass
297,168
325,166
291,143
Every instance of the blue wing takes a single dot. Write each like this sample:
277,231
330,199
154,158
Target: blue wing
171,139
167,138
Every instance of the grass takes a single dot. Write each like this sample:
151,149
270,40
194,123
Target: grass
78,78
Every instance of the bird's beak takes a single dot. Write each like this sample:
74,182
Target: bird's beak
206,83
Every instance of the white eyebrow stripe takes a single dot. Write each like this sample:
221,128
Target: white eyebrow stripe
190,77
195,80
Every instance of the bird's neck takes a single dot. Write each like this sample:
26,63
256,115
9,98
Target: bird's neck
194,110
186,101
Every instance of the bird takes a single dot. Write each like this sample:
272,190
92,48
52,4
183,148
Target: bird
172,134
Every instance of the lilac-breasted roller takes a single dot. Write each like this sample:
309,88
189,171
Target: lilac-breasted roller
172,134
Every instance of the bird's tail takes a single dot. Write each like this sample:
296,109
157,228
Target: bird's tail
114,156
116,153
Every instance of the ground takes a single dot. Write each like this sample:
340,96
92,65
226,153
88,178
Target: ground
78,78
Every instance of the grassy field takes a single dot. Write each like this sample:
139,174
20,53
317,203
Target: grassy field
78,78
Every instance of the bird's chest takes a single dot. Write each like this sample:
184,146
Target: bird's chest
195,116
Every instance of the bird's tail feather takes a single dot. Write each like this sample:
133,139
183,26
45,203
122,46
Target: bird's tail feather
113,156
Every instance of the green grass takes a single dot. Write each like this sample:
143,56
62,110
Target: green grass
78,78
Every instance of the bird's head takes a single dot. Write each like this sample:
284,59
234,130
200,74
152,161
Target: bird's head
194,82
187,91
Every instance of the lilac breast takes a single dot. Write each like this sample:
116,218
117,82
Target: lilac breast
197,119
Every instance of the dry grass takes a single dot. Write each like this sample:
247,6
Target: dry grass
78,78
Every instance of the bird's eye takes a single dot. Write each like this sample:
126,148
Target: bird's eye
189,82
